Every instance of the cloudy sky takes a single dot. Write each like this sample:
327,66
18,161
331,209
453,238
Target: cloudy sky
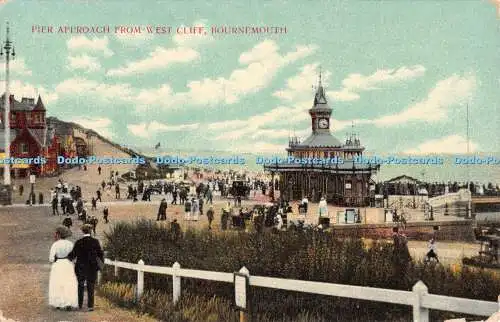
403,71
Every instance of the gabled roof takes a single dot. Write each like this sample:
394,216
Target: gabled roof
403,178
38,135
39,105
14,104
22,106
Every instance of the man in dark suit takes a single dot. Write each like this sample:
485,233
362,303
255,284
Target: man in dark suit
86,251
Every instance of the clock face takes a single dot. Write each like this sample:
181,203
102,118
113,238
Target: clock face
323,123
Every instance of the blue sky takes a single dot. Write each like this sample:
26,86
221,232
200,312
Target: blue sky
403,71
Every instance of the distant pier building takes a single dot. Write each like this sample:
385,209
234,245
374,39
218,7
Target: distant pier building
341,181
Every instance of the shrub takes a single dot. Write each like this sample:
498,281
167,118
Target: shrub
305,255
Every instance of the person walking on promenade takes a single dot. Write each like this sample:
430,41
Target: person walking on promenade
187,210
98,192
93,222
89,259
226,213
55,209
105,214
94,204
195,209
210,216
323,208
162,210
99,170
67,222
210,196
62,281
117,191
174,197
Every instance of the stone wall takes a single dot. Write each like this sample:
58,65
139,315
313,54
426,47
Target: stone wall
447,230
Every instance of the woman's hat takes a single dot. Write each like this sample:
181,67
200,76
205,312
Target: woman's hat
86,228
63,232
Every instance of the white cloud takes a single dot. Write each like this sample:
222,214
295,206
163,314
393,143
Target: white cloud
453,91
94,90
100,125
300,86
449,144
263,62
355,83
18,66
191,40
20,90
148,130
158,59
94,45
255,126
139,130
85,62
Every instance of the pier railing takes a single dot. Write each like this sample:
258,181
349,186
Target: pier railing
418,298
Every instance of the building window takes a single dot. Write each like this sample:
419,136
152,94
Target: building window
28,118
23,148
13,117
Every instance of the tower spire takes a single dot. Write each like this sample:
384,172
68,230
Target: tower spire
320,75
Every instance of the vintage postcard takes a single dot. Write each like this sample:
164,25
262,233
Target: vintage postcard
249,160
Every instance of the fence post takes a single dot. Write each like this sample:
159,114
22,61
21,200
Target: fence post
140,280
176,282
116,269
420,314
244,314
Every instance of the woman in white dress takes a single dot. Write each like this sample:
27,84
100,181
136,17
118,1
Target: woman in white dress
323,208
63,286
195,209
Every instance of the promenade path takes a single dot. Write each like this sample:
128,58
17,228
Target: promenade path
26,235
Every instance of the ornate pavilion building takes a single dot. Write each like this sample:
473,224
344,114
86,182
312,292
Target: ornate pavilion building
342,183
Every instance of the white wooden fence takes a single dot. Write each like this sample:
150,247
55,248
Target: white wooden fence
419,297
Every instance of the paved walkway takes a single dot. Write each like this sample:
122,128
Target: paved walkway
25,239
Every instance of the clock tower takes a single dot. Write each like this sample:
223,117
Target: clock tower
320,112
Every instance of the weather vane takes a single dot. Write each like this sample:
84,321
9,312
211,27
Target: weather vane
314,87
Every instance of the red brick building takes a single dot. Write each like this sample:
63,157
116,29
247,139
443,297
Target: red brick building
30,137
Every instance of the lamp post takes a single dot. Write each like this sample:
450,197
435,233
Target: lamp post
6,193
32,193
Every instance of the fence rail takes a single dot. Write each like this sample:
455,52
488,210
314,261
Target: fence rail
419,297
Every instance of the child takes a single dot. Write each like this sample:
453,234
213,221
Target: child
105,214
432,251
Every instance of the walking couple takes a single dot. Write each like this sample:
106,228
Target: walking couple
67,281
